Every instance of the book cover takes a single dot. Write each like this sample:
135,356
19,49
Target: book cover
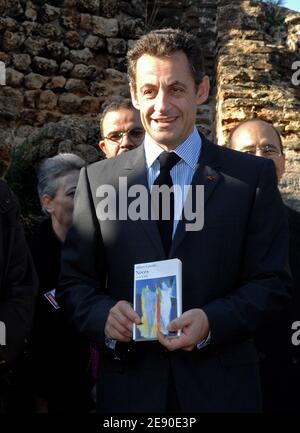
157,297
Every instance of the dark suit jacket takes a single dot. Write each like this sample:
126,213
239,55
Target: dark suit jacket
59,356
234,268
18,280
280,395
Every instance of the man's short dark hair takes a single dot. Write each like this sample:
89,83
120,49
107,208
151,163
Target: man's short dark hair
253,119
114,105
164,42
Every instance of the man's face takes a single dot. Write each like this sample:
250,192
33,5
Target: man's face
259,138
115,123
167,97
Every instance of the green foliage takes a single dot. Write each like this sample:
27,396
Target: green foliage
275,19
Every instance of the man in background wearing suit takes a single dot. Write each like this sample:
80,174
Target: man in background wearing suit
233,269
260,138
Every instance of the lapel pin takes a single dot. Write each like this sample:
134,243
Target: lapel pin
210,177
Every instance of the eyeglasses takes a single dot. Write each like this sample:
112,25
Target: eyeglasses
266,150
135,135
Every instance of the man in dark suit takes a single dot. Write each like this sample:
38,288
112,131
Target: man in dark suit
233,269
260,138
18,285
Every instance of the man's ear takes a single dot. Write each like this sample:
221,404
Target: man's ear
203,90
46,202
134,100
102,146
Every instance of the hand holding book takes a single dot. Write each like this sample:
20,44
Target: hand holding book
194,327
120,320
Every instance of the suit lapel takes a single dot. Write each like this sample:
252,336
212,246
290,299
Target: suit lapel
136,172
206,174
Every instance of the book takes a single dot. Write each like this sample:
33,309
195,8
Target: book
157,297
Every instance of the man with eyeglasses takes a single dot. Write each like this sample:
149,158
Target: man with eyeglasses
260,138
279,359
121,128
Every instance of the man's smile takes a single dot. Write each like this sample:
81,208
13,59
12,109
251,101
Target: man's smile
163,122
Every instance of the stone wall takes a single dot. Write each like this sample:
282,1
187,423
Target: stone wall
254,77
65,58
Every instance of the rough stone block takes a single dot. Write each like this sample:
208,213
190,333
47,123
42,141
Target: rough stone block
116,76
5,58
116,46
12,41
34,46
74,85
69,103
30,28
110,8
70,19
49,13
99,89
95,43
66,67
90,105
86,22
56,82
14,8
29,116
11,103
7,23
57,50
31,12
72,39
47,100
13,78
105,27
81,56
22,62
45,66
34,81
51,31
82,71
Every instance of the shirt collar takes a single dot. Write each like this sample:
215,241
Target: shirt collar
188,151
